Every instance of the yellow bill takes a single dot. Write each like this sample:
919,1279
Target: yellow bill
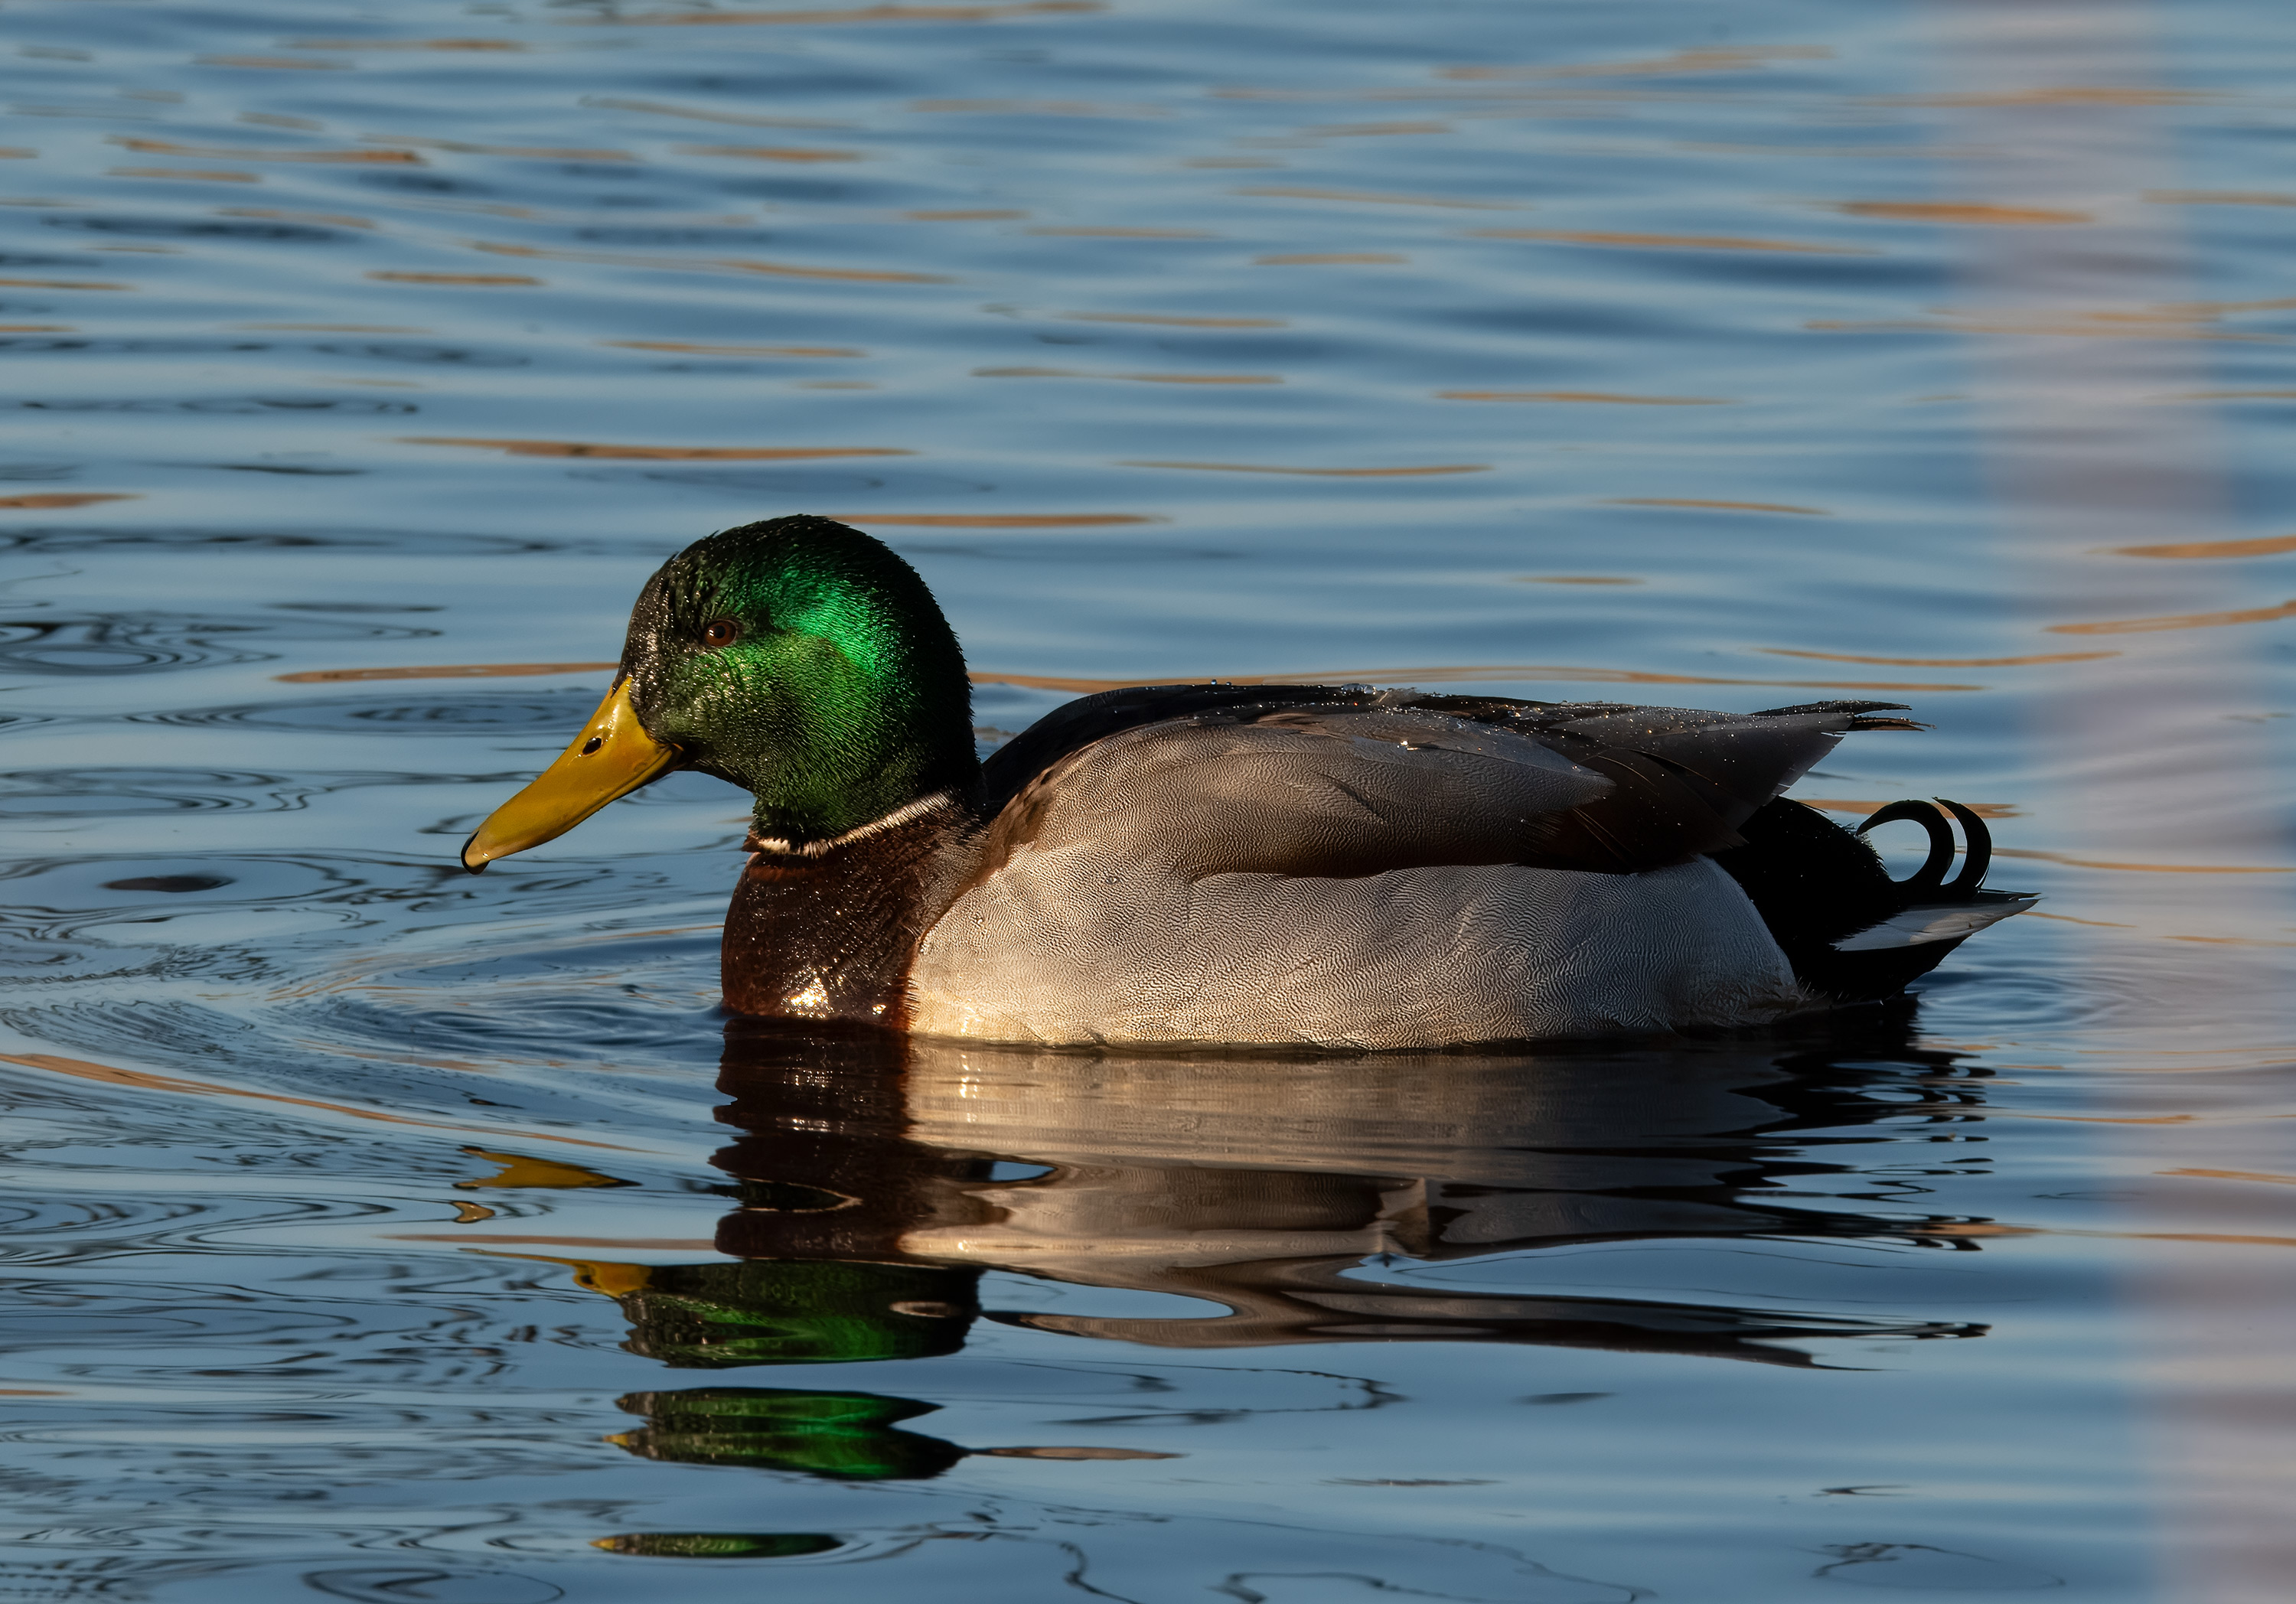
611,757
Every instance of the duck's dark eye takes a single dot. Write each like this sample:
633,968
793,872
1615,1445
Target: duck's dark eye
721,632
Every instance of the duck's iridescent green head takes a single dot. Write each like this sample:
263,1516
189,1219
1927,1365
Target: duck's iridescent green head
797,657
808,664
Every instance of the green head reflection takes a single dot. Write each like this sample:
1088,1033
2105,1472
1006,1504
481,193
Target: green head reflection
793,1312
845,1437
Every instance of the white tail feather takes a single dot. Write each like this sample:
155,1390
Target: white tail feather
1939,922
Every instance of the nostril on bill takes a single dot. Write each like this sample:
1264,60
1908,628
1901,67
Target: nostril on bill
596,742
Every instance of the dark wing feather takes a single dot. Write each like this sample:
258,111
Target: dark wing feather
1657,813
1686,780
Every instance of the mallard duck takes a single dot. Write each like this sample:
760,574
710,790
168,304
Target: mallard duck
1329,865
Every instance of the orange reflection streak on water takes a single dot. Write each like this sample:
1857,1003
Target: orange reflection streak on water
2215,308
1596,397
772,153
1983,810
1034,108
1989,1228
405,45
1174,321
2175,319
1566,100
1906,662
520,1169
1691,63
2083,863
2217,198
419,1061
190,175
867,14
2057,95
623,258
659,453
1716,506
1652,241
335,219
2226,1174
1096,233
493,280
1318,472
1374,129
1050,372
2074,325
64,498
609,103
2270,545
1288,192
275,63
143,1081
696,348
538,152
168,147
1908,152
33,283
2202,620
981,214
1334,258
579,215
1959,211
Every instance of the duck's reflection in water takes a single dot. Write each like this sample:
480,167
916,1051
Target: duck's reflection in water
879,1178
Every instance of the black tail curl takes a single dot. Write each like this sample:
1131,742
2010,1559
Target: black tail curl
1816,884
1928,883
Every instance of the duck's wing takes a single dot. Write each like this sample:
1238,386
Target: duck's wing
1254,776
1684,780
1321,791
1355,781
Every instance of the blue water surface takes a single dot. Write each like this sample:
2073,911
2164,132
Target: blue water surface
375,1232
